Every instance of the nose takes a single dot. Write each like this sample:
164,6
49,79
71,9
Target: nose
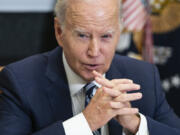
94,48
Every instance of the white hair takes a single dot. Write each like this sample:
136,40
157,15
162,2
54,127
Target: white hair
61,7
60,10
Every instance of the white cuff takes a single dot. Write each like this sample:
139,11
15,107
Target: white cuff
143,128
77,125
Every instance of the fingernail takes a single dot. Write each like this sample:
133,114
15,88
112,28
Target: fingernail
138,86
139,95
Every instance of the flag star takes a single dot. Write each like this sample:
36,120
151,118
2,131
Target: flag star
166,85
176,81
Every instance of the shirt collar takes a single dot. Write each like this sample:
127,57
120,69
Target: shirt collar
76,83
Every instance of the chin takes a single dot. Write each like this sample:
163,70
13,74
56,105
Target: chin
88,77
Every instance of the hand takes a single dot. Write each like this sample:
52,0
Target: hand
121,101
99,111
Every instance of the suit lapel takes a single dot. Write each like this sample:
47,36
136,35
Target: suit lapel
114,71
58,91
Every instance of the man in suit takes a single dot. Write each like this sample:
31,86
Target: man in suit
45,94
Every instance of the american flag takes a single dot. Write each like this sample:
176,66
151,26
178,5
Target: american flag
136,17
134,14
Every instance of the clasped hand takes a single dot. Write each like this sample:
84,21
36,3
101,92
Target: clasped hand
113,101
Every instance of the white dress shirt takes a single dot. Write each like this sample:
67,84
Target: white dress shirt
77,125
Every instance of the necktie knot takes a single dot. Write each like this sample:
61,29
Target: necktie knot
89,86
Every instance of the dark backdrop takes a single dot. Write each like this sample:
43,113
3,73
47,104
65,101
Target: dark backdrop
25,34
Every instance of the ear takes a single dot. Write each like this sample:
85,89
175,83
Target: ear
58,31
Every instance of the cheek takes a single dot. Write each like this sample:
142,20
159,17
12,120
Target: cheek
75,54
109,50
108,56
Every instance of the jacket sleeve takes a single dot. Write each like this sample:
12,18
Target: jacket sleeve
15,118
165,121
54,129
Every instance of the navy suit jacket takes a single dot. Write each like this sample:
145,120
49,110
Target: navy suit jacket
36,98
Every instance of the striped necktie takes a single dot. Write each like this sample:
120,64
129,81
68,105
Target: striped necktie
90,90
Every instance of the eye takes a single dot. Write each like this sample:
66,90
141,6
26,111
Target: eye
106,36
81,35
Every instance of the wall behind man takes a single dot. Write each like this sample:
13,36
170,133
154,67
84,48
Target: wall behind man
26,28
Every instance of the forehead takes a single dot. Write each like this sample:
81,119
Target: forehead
101,14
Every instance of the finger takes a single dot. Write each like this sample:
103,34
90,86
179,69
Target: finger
117,105
101,94
128,97
127,87
127,111
104,82
123,81
111,92
128,104
97,74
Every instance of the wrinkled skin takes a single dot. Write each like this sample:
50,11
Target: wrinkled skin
89,37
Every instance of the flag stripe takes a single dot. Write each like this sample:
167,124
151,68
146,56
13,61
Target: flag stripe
138,24
134,15
134,19
131,9
127,3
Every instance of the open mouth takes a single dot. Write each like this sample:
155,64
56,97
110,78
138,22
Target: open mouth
92,66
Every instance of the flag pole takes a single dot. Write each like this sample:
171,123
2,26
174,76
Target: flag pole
148,47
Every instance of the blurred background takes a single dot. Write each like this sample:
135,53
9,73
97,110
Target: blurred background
151,33
26,28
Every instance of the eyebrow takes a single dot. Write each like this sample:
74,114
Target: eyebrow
110,31
79,30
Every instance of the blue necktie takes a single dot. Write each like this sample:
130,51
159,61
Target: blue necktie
90,90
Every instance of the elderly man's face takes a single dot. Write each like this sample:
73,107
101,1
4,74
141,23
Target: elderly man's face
90,36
